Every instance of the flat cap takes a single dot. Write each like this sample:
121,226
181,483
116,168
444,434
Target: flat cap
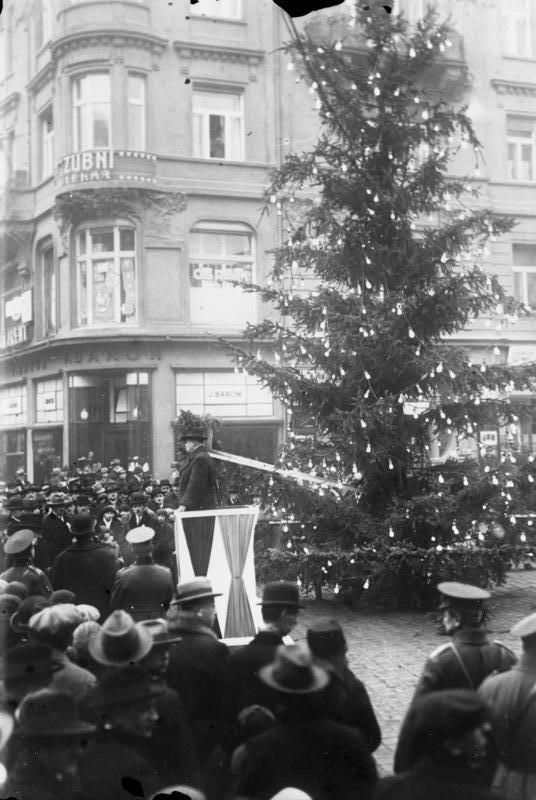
19,541
140,535
461,594
525,626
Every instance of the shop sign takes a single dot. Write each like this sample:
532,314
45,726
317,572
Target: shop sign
17,315
98,165
215,275
232,394
489,438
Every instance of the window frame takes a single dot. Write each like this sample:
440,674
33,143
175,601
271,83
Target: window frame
248,383
518,142
143,105
196,10
206,113
116,256
46,143
523,270
79,104
50,288
510,21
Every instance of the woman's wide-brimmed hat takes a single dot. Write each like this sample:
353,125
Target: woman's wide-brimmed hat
120,641
293,671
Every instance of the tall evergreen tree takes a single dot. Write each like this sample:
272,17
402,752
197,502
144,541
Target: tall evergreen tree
391,246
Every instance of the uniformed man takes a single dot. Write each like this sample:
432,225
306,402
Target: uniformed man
144,589
19,549
464,661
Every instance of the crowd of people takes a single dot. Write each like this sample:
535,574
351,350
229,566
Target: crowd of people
115,683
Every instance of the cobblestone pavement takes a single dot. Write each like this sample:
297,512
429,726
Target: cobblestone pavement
387,649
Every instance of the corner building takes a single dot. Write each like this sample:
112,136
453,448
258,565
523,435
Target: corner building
137,139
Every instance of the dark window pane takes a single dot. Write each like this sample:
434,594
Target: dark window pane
102,241
127,239
217,134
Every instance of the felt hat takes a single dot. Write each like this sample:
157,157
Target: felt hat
138,498
157,490
120,641
325,637
19,541
293,671
461,595
32,605
83,500
111,487
57,499
24,662
140,535
49,712
62,596
15,503
125,687
281,593
193,436
195,589
82,524
159,631
525,627
108,508
164,482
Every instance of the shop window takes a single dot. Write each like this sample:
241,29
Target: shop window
92,111
12,452
86,392
106,276
129,398
16,310
48,266
524,273
221,257
46,144
47,447
520,148
223,394
13,404
218,124
517,28
136,134
225,9
49,400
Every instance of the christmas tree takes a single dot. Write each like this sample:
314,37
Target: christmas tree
383,260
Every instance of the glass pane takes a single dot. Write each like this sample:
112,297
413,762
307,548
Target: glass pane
524,255
234,138
128,289
135,131
136,87
103,291
216,101
81,243
102,241
82,293
216,136
531,289
518,286
97,86
526,162
101,125
127,239
237,244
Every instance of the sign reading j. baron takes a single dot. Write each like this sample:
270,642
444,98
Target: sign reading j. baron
89,165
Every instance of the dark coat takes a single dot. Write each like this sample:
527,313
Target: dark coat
321,757
32,577
57,537
88,569
429,781
245,688
198,672
197,482
147,518
144,590
28,780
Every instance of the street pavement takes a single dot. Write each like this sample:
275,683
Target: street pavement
387,650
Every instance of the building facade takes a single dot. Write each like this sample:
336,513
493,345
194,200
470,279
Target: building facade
137,139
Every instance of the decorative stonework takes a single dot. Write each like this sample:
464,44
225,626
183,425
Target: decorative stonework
219,52
10,103
518,88
44,75
111,38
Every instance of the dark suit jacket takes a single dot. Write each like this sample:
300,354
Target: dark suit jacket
245,688
197,482
321,757
448,781
57,537
144,590
87,569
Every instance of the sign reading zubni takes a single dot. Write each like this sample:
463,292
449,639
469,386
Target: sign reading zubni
89,165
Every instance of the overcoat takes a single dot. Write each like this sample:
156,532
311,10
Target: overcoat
197,481
57,537
144,590
429,781
87,569
32,577
245,688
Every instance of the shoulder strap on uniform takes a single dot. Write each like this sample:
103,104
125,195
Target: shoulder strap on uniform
462,665
441,649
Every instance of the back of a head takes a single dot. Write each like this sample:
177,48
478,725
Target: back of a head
443,715
325,638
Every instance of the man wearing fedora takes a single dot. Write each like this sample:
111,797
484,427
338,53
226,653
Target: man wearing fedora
86,567
197,480
19,550
198,662
464,661
280,607
144,589
304,749
55,528
512,698
50,738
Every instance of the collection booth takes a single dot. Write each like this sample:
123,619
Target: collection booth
218,543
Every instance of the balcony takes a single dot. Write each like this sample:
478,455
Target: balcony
92,169
90,15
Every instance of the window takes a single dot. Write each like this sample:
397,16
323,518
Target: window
221,253
136,112
218,129
223,393
106,266
49,290
92,108
517,26
13,405
520,134
229,9
43,22
46,144
6,41
49,400
129,398
524,269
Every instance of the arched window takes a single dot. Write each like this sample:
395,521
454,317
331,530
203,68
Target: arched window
106,275
221,254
